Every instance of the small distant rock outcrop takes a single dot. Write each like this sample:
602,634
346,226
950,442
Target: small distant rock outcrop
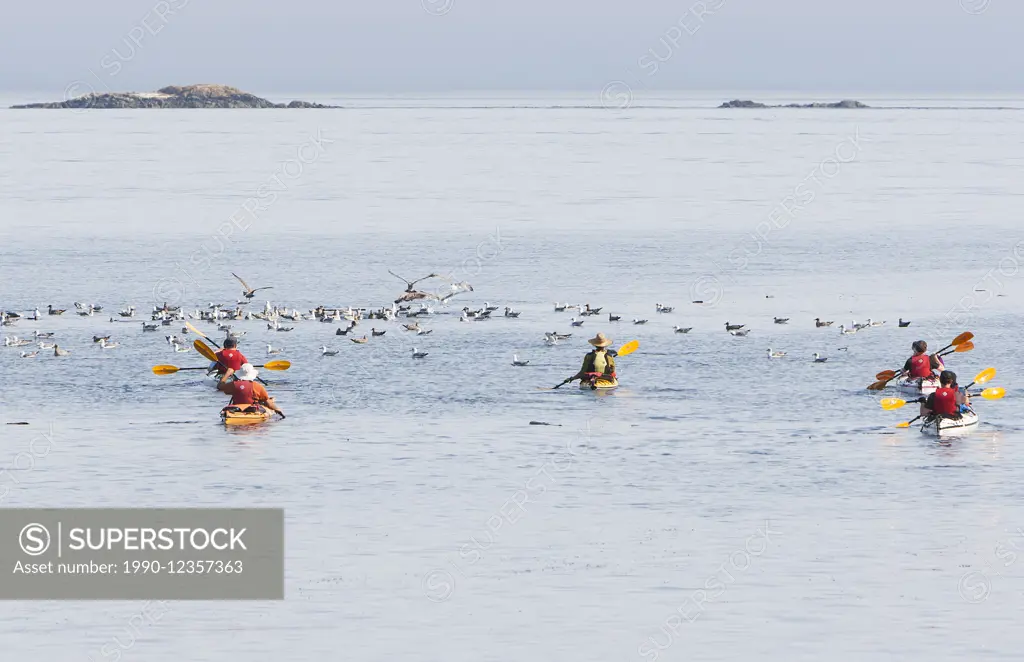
175,96
845,103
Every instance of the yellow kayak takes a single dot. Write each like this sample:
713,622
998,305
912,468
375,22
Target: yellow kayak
235,415
600,384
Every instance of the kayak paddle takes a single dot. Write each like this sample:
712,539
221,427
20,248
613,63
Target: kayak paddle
906,424
201,334
625,350
170,369
982,377
205,350
959,340
992,393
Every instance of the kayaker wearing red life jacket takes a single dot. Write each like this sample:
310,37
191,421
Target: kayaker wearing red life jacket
597,363
947,399
230,358
920,365
245,392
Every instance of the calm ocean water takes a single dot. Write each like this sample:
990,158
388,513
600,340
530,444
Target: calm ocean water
717,506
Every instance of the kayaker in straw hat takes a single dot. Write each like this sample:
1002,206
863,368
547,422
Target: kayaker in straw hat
598,362
245,391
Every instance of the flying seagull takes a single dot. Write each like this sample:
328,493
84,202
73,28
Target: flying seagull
249,292
412,294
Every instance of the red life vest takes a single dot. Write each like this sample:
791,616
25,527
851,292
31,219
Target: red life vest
241,393
920,366
944,402
230,358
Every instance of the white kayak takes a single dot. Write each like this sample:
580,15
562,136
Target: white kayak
917,388
940,426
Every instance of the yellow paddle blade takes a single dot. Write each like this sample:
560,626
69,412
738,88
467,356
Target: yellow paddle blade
964,347
205,350
962,338
993,393
985,375
904,424
889,404
629,347
196,331
164,369
278,365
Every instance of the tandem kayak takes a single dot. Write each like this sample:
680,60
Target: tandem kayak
233,415
941,426
917,388
599,384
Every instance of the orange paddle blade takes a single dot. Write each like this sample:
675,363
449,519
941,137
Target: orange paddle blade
164,369
629,347
962,338
985,375
886,374
889,404
993,393
205,350
964,347
879,385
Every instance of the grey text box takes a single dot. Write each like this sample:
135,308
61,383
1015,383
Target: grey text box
142,554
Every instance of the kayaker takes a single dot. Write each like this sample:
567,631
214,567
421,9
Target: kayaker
920,365
230,359
948,400
597,363
245,391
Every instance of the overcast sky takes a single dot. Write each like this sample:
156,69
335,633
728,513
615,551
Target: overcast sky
394,46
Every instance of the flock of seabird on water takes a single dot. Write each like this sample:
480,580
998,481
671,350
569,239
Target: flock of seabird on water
278,319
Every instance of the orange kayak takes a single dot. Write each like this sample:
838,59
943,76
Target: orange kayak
235,415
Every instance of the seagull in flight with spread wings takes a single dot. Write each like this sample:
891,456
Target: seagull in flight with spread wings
412,294
249,292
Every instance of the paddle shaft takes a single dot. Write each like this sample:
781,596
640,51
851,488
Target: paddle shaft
267,366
